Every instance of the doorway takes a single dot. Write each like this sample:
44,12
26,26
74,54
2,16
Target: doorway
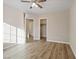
29,30
43,29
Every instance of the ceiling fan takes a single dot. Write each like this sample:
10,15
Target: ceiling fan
34,3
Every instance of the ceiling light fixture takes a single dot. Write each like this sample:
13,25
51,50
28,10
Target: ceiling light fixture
35,3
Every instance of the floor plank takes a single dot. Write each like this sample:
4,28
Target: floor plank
39,50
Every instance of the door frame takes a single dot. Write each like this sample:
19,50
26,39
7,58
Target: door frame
46,27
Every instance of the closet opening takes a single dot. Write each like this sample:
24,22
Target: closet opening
43,29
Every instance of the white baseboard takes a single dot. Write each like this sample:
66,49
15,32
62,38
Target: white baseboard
5,47
72,50
58,41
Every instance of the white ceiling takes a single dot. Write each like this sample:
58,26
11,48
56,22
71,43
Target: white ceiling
48,6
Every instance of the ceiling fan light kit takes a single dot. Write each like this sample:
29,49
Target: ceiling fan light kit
35,3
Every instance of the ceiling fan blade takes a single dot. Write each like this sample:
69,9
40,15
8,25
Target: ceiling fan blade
40,0
25,1
38,5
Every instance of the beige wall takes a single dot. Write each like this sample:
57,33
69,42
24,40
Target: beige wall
73,28
13,16
57,26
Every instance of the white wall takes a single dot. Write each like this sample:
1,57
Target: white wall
13,16
73,28
57,26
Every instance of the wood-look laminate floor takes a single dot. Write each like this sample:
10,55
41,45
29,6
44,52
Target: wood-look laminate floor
39,50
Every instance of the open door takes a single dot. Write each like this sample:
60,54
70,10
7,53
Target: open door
43,25
29,30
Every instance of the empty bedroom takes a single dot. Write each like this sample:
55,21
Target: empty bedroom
39,29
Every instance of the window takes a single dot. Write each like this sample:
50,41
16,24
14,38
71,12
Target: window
20,36
6,33
13,34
